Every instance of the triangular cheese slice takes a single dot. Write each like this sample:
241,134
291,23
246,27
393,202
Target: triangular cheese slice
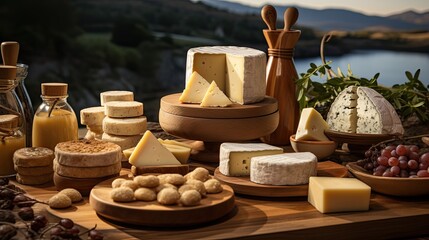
195,89
311,126
150,152
215,97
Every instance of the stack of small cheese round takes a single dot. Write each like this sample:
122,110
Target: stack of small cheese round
124,123
33,165
82,164
93,117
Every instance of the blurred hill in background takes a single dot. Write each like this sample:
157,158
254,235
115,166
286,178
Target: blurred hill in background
140,45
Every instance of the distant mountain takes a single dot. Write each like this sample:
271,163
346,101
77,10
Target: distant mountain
333,19
412,17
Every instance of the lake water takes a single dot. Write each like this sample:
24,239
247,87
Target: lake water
390,64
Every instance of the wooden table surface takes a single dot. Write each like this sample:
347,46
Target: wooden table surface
257,218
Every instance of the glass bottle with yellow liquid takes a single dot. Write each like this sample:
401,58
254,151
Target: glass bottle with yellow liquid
54,120
12,135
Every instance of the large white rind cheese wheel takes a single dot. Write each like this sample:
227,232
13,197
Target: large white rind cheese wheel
123,109
87,153
125,126
116,96
283,169
125,142
238,71
86,172
92,116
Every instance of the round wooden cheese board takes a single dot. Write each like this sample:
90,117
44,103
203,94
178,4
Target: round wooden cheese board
357,138
153,214
243,185
218,124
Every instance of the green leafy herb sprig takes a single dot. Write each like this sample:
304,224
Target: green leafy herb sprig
408,99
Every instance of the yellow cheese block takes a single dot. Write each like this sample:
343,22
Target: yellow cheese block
123,109
128,152
330,194
181,153
214,97
174,142
195,89
150,152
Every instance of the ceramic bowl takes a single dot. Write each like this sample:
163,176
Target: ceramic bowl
321,149
404,187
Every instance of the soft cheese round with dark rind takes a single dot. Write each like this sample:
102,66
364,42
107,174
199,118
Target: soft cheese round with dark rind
33,157
86,172
88,153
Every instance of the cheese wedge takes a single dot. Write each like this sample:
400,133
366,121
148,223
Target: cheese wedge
149,152
311,126
195,90
214,97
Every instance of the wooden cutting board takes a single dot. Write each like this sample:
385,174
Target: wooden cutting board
213,207
243,185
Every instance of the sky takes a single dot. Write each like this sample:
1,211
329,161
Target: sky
369,7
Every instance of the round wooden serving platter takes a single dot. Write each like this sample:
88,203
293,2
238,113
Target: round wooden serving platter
243,185
153,214
356,138
218,124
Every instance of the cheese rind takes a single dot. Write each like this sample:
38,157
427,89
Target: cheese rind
149,152
214,97
311,126
123,109
92,116
283,169
376,114
116,96
238,71
33,157
330,194
125,126
125,142
195,90
235,158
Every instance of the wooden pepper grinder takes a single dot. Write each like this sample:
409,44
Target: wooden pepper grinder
281,72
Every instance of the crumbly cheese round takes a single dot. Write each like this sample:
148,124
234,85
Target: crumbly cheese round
144,194
92,116
86,172
125,126
88,153
149,181
123,109
34,180
116,96
73,194
125,142
60,201
122,194
190,198
34,171
168,196
33,157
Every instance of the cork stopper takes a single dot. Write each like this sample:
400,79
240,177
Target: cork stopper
9,121
54,89
7,72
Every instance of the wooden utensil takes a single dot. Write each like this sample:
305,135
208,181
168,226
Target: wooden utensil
9,53
269,15
290,17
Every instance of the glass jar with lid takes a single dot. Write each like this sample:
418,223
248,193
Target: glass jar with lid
12,132
54,120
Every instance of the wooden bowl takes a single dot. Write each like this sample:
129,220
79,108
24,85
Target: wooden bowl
233,123
404,187
321,149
